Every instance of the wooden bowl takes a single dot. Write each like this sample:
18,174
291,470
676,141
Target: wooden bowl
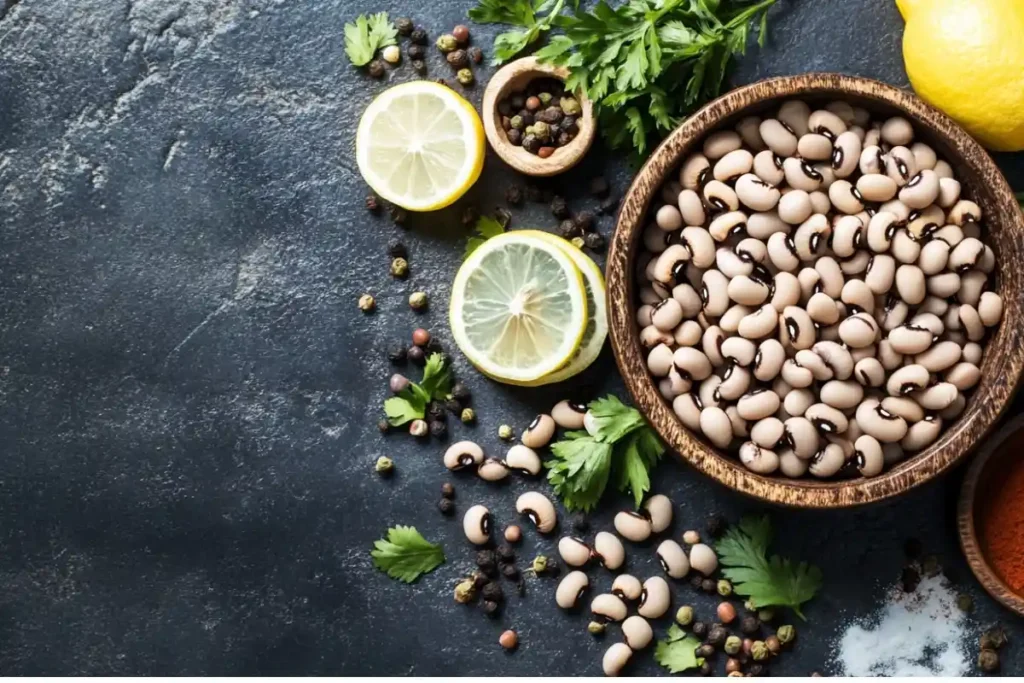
978,487
1004,228
515,76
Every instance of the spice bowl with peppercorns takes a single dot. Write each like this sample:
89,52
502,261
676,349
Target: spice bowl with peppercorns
532,122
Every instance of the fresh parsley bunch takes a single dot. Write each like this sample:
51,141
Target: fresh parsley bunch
518,13
411,403
768,582
619,446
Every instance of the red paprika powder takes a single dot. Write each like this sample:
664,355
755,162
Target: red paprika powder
1002,528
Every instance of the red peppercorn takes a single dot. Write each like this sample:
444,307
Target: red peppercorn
545,152
461,34
726,613
420,337
532,103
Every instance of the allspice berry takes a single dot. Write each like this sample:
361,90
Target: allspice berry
420,337
509,640
458,59
461,34
726,612
513,533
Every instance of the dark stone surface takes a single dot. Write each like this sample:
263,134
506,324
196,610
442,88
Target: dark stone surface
188,392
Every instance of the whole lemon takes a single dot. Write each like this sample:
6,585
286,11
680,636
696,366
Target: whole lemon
966,57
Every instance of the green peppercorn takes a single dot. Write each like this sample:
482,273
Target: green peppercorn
468,416
596,628
517,122
400,267
465,76
786,634
367,303
542,130
578,242
385,466
724,588
988,661
446,43
766,615
993,639
759,651
505,433
570,106
964,602
465,591
684,615
418,301
733,644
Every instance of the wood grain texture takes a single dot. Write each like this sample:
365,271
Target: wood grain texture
980,482
515,76
1004,228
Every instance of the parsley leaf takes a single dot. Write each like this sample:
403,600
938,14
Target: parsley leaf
768,582
437,381
620,447
404,408
411,403
517,13
406,555
486,227
367,35
677,652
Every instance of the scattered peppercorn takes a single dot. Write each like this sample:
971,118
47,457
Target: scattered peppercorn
594,241
717,634
964,602
993,638
416,52
468,416
398,214
476,54
726,612
503,216
457,59
404,25
580,523
596,628
691,537
709,585
513,533
509,571
391,54
492,591
699,629
465,77
491,608
705,650
716,526
419,66
397,355
505,433
684,615
400,268
376,69
599,186
435,412
418,36
486,558
568,229
461,393
766,615
705,669
514,195
540,564
732,665
732,646
384,426
584,220
465,591
559,208
418,428
579,243
774,644
759,651
446,43
372,203
418,301
438,429
398,383
417,355
725,589
508,640
696,581
757,670
988,661
608,205
367,303
749,624
461,34
505,552
446,506
545,152
786,634
385,466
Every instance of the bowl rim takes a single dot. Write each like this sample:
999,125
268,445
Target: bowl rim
968,529
956,441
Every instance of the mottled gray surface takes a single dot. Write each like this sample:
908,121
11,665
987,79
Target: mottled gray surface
188,393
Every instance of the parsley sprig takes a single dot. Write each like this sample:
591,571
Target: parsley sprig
768,582
405,555
619,447
367,35
486,228
517,13
411,403
677,652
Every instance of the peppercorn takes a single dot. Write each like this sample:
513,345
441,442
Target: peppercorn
732,665
486,558
584,220
505,552
759,651
699,629
570,106
684,615
435,412
596,628
988,661
446,506
476,54
766,615
458,59
551,115
491,608
492,591
514,195
398,214
372,203
438,429
418,36
774,644
705,669
993,638
786,634
465,591
717,634
568,124
508,639
532,103
419,66
446,43
398,383
540,564
724,588
391,54
732,645
545,152
517,100
708,585
461,393
384,426
367,303
418,301
505,433
716,526
609,205
376,69
748,645
461,34
749,624
385,466
559,208
418,428
706,650
599,186
509,571
400,268
964,602
530,143
579,243
580,523
726,612
515,137
397,355
695,581
562,139
513,533
568,229
417,355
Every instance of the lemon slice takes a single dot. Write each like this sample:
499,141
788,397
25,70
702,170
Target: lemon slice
597,323
518,307
420,145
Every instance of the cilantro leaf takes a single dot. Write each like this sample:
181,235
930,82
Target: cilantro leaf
633,472
768,582
486,227
677,652
406,555
515,12
613,419
404,408
437,381
411,403
367,35
580,471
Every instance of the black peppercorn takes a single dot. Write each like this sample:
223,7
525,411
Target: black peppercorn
717,634
559,208
709,586
416,52
993,639
398,214
479,580
435,412
505,552
397,355
446,506
419,66
515,137
416,355
492,591
476,54
469,215
447,490
699,629
580,523
568,124
594,241
705,669
383,425
397,250
503,216
563,139
706,650
749,624
376,69
609,205
453,406
526,117
418,36
585,220
457,59
509,571
372,203
568,229
404,25
514,195
757,670
491,608
599,187
438,429
716,526
695,581
461,393
485,558
517,100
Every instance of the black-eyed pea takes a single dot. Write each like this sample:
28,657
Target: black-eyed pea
841,395
756,194
832,279
911,340
670,191
822,309
876,187
963,376
670,265
881,230
571,589
820,202
843,442
898,209
763,224
836,357
795,207
858,331
826,123
768,432
758,459
972,284
760,323
872,158
574,551
740,427
971,230
911,284
955,409
955,336
720,196
735,383
656,596
780,138
691,208
908,379
987,262
627,587
632,526
732,165
858,297
739,351
727,224
869,351
963,212
922,434
711,344
798,400
846,151
922,224
694,171
714,293
673,561
802,436
688,299
900,165
673,385
768,360
782,252
867,454
757,405
749,130
888,356
904,406
897,131
801,175
791,465
636,632
826,419
796,115
717,145
924,156
796,375
747,291
845,197
972,353
753,251
933,257
651,336
943,285
950,234
904,248
869,372
934,305
708,394
831,332
667,314
809,280
700,245
875,421
608,608
827,461
799,328
668,218
848,234
941,356
643,315
687,408
688,333
660,359
806,358
655,239
880,273
691,363
649,296
788,291
768,167
990,309
943,169
663,291
716,426
966,254
937,397
921,190
615,659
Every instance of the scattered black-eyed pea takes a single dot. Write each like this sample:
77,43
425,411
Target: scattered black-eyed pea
570,589
476,524
574,551
637,632
608,550
608,607
656,597
615,659
627,587
463,454
658,509
542,428
492,469
673,559
703,559
634,526
539,509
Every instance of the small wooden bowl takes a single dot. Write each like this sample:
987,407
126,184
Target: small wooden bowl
979,484
1004,229
515,76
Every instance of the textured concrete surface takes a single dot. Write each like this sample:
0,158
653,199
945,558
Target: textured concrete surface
188,392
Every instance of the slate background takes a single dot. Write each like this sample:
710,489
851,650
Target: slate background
188,392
